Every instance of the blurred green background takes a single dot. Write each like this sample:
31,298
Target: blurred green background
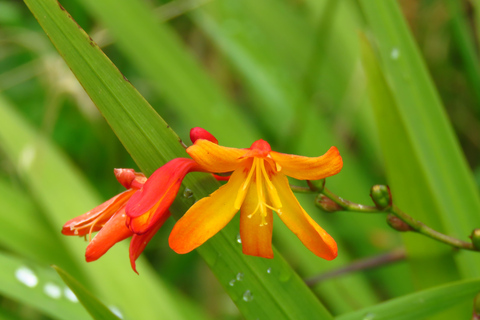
300,74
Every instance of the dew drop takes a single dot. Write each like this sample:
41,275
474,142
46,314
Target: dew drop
247,296
394,54
232,283
239,276
269,270
27,156
52,290
369,316
188,193
239,239
70,295
116,311
26,276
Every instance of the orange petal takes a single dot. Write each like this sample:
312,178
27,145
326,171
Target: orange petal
114,231
306,168
150,203
256,239
139,242
207,216
81,225
299,222
215,158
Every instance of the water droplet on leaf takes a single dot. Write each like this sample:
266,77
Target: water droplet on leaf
239,276
26,276
70,295
247,296
52,290
369,316
239,239
188,193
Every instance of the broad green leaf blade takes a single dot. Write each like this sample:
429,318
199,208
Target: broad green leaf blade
39,287
96,309
446,184
158,53
282,296
46,172
419,305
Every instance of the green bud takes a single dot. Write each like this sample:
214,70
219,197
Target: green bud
316,185
326,204
397,224
381,196
476,238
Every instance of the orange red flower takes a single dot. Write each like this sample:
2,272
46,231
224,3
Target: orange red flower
257,186
109,219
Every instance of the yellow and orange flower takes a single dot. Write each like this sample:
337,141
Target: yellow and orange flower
109,219
257,186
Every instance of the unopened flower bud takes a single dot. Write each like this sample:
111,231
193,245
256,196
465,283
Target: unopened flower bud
316,185
476,238
200,133
381,196
397,224
327,204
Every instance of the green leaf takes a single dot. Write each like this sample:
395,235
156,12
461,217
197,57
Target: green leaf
279,294
419,305
28,233
39,287
96,309
427,171
431,261
158,53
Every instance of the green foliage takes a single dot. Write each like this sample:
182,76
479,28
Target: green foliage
400,102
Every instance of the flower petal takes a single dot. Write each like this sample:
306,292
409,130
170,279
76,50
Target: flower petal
307,168
82,225
113,232
150,219
256,238
200,133
207,216
297,220
215,158
161,188
139,242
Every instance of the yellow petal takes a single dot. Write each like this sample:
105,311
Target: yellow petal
215,158
256,239
306,168
297,220
207,216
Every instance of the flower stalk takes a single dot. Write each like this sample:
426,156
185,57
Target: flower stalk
385,207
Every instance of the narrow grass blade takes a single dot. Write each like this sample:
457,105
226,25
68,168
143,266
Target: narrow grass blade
431,262
159,54
442,193
419,305
39,287
96,309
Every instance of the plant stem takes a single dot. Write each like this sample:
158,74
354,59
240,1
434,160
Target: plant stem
416,225
348,205
420,227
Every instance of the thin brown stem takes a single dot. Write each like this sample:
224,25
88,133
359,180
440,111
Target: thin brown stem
362,264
